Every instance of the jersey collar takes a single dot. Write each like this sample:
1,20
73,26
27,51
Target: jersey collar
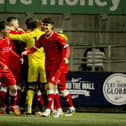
47,37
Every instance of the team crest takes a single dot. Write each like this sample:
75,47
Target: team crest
51,41
8,42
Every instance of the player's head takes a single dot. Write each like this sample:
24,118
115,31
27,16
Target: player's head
48,20
13,22
48,25
4,28
41,23
32,23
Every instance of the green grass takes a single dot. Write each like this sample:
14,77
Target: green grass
78,119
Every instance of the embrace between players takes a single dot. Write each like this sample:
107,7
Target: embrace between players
48,55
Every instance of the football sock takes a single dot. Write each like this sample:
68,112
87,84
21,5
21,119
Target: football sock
18,95
40,99
30,96
68,98
57,99
54,107
50,98
13,100
3,94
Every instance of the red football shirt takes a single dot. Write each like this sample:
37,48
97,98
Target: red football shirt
54,46
5,49
18,47
1,64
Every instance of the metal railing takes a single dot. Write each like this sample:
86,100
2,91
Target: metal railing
108,59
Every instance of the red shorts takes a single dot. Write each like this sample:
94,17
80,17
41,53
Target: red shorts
58,78
7,78
62,82
54,75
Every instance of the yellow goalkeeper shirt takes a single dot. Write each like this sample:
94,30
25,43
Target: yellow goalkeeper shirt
64,36
30,39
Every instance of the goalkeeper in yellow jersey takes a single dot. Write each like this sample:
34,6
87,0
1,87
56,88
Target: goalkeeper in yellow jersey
36,61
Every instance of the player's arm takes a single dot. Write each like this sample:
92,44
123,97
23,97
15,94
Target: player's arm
66,47
33,49
21,31
20,38
67,54
17,56
28,51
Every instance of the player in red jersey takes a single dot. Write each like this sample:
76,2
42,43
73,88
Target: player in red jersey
18,48
15,29
14,25
15,66
6,76
57,53
62,86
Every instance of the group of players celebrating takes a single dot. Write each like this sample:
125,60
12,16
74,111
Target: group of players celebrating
47,54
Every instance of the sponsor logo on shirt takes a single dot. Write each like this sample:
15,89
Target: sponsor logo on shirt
6,49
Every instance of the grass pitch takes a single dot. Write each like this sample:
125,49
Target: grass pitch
78,119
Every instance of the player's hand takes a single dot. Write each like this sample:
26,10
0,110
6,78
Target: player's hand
24,53
20,29
66,60
5,67
21,60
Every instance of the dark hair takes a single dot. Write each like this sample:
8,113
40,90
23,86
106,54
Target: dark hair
32,23
9,19
2,24
48,20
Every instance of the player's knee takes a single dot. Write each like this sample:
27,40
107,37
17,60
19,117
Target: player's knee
51,86
64,92
3,89
55,88
13,90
